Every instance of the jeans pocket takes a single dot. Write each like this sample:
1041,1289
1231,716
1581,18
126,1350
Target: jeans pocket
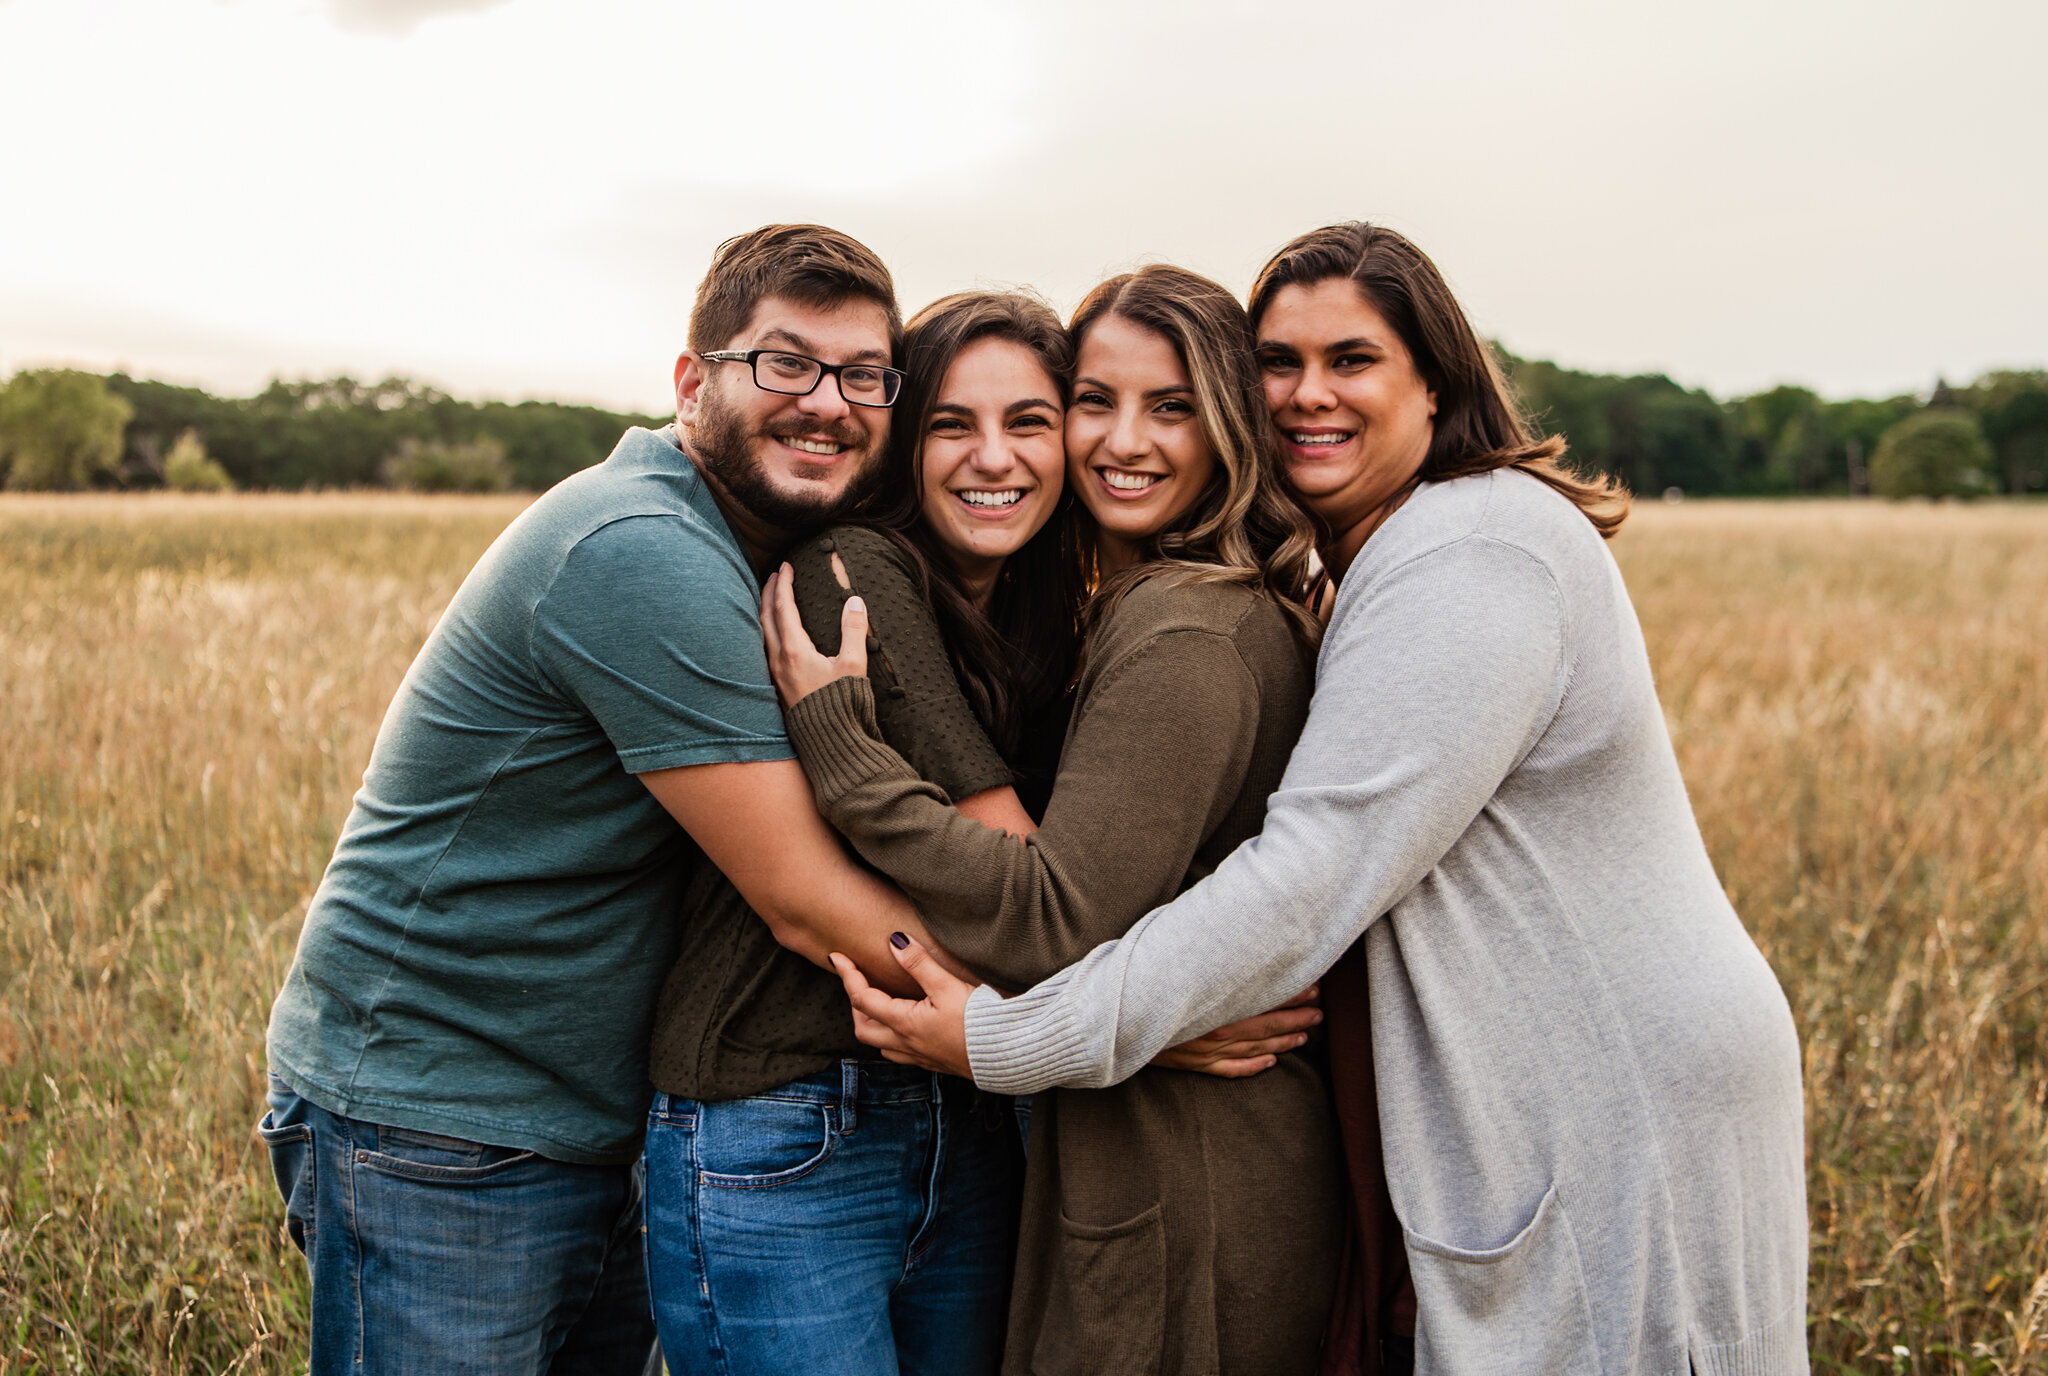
1521,1306
1106,1305
431,1159
751,1144
292,1164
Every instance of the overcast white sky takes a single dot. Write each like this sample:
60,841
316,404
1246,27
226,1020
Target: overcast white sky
516,197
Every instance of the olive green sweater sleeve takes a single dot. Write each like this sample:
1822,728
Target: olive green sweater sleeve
920,707
1162,738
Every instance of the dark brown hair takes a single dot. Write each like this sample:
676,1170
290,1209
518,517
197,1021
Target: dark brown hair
1479,424
809,264
1019,653
1243,528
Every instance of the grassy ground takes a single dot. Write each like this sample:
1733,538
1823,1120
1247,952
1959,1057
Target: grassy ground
1859,695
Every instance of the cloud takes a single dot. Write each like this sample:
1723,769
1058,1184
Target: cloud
397,17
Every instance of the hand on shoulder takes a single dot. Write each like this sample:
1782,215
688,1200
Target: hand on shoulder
793,658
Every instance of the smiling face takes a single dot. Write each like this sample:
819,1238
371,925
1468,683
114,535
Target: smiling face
990,460
789,463
1136,451
1355,417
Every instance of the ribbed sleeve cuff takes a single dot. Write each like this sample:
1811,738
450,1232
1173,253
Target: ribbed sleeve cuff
1020,1045
835,735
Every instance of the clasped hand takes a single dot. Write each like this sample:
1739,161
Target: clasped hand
932,1032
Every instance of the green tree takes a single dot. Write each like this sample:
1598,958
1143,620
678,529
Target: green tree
164,412
2014,409
478,466
1648,431
59,429
545,442
187,469
1857,426
1779,436
1939,452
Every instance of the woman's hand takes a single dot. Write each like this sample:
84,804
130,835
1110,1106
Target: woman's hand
793,658
1248,1045
931,1033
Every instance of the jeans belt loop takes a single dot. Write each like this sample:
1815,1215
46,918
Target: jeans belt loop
849,1097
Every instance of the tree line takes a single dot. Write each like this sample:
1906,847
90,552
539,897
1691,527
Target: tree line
1988,437
62,429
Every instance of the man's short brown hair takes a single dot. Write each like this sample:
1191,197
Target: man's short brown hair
809,264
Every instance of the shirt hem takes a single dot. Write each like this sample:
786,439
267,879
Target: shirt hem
651,758
490,1133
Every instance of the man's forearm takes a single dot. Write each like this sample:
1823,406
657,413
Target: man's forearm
854,913
757,823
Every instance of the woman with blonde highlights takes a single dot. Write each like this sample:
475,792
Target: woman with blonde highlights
1177,1223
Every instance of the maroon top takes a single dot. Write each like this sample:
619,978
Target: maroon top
1374,1296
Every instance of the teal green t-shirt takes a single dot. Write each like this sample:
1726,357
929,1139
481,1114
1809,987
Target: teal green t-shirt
482,957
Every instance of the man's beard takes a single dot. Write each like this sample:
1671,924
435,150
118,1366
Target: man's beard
724,449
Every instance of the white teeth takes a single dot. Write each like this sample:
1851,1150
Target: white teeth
1129,482
978,497
815,446
1309,440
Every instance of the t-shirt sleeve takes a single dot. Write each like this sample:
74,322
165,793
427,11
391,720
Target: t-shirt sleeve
919,705
654,628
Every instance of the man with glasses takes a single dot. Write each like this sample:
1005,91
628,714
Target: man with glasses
459,1054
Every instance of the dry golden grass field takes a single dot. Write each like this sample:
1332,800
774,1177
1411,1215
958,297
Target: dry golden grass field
1859,695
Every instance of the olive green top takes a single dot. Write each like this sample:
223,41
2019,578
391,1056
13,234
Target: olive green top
1176,1222
739,1014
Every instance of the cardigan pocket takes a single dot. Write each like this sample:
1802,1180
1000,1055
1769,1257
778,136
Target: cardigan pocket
1520,1307
1106,1305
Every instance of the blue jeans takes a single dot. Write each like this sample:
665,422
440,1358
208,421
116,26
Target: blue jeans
429,1254
862,1221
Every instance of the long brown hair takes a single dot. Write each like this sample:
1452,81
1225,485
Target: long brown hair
1019,653
1243,527
1479,424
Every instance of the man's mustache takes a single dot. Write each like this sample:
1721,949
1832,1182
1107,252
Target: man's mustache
838,432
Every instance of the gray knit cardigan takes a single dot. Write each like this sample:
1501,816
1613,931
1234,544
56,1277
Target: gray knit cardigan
1589,1080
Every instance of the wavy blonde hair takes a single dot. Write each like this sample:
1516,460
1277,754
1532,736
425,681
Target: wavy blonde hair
1243,527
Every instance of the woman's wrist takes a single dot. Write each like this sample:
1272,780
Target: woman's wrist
837,738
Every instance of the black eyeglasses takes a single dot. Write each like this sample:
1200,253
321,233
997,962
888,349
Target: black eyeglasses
798,375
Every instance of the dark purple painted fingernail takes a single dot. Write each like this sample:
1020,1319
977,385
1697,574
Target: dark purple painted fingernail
899,941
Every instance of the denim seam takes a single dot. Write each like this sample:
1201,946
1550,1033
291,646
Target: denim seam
927,1234
562,1331
275,1136
771,1179
703,1296
422,1172
355,1232
866,1098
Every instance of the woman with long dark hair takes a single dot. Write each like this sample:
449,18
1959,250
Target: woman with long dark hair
1588,1081
968,522
1177,1223
810,1205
